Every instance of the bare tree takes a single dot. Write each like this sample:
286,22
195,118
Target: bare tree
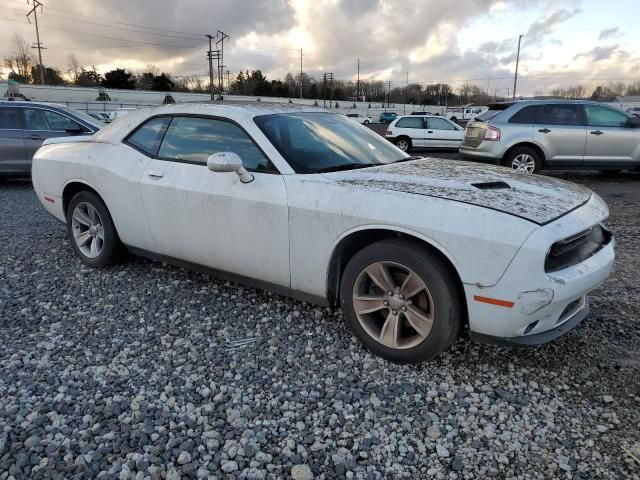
75,69
20,61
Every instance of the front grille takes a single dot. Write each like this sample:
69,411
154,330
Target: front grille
576,248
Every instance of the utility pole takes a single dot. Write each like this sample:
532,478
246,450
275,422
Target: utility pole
358,84
34,10
515,78
388,92
228,80
210,57
223,36
406,95
300,73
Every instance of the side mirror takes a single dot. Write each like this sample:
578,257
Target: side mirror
226,162
634,122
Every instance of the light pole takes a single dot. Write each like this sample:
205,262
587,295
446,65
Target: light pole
515,78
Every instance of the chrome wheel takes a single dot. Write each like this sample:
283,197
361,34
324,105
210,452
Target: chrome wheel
393,305
88,229
402,145
524,163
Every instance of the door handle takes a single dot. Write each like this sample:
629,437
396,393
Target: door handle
154,174
33,136
544,130
597,132
429,131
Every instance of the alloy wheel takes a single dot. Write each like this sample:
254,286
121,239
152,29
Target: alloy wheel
88,229
524,163
393,305
403,145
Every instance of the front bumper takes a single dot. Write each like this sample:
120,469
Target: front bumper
539,338
540,306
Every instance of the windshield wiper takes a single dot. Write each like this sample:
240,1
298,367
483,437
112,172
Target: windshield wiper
350,166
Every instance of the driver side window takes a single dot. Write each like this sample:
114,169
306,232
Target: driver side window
194,139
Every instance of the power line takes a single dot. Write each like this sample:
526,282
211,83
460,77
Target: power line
107,37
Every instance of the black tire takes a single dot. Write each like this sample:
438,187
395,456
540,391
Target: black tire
401,142
440,281
112,249
516,152
454,119
366,122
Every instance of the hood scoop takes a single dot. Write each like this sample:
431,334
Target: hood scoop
492,186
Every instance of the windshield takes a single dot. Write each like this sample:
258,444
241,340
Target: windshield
84,117
316,142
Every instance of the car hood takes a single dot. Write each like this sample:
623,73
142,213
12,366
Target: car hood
535,198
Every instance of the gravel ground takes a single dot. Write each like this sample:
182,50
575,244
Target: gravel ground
148,371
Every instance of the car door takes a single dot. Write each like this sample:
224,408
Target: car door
40,124
610,142
561,132
211,218
12,152
442,133
412,127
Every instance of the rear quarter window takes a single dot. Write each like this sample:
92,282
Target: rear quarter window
148,136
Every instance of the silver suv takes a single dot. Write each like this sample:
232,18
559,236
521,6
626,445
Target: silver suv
534,134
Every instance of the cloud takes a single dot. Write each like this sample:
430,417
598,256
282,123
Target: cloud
390,37
608,33
598,54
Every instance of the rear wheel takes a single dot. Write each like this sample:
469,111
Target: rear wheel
366,122
91,230
401,301
403,143
523,160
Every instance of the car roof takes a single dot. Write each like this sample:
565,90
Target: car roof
23,103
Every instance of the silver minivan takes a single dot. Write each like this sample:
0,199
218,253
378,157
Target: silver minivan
534,134
25,125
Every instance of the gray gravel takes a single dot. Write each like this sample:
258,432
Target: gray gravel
142,371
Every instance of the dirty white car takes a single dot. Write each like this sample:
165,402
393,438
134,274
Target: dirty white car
311,204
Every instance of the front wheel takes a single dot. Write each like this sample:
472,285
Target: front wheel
91,230
401,301
403,144
523,160
366,122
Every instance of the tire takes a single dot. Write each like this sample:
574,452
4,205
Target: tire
523,160
439,302
366,122
88,218
454,119
403,143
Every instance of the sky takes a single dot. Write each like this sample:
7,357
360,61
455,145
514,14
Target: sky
565,43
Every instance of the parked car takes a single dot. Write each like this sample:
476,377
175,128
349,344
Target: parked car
387,117
635,111
468,113
422,131
311,204
534,134
101,116
25,125
358,117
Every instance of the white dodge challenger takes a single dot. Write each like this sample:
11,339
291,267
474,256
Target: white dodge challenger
307,203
